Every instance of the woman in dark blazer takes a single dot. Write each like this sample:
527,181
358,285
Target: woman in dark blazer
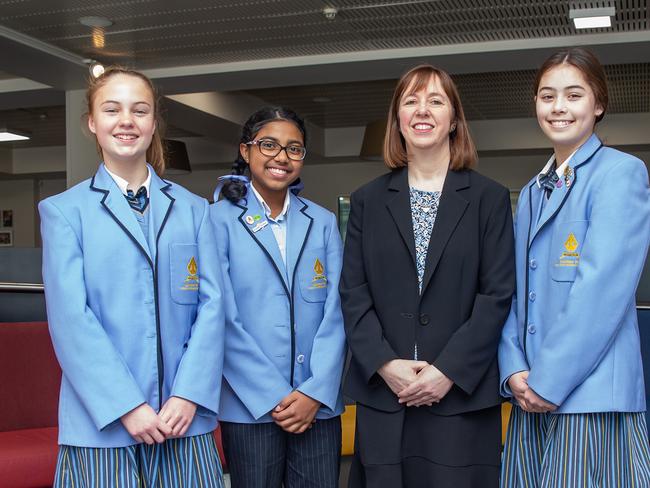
427,281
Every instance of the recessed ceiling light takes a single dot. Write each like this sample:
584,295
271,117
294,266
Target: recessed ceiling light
93,21
7,135
592,18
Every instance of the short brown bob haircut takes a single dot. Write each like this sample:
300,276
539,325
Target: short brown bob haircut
461,147
587,63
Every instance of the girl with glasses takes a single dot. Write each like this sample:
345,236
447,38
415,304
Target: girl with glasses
134,307
569,356
281,258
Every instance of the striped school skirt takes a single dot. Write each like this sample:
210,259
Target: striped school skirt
590,450
185,462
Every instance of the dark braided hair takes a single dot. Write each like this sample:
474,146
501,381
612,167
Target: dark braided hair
235,190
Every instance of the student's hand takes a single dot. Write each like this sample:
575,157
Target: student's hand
518,384
144,425
400,373
536,403
296,412
430,386
178,414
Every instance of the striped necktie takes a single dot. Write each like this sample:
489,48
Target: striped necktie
548,181
139,201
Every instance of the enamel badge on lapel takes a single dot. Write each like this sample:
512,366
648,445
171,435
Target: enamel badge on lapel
568,176
192,280
250,220
319,280
260,226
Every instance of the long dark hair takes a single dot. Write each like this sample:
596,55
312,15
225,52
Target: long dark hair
235,190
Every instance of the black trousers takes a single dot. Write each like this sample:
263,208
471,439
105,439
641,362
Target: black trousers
413,448
265,456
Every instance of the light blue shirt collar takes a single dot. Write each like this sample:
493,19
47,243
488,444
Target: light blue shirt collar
267,210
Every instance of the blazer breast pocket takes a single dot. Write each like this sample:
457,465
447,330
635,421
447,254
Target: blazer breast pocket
184,263
566,249
313,275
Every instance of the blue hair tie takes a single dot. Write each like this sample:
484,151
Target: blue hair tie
223,179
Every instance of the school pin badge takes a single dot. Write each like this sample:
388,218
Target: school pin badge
260,225
568,176
250,220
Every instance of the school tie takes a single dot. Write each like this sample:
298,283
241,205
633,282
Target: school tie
139,201
548,181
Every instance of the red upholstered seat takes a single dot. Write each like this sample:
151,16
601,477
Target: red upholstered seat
30,379
28,457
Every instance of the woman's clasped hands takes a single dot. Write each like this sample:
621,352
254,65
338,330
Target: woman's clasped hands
415,383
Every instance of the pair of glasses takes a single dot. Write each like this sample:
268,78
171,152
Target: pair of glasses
271,148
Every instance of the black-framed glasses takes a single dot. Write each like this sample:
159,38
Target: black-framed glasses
270,148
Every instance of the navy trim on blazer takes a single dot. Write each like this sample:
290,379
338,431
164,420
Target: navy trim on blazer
159,356
288,293
154,267
529,242
530,219
293,288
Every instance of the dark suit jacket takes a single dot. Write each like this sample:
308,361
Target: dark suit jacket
468,283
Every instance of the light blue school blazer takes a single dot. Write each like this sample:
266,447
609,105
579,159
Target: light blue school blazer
573,323
284,326
131,325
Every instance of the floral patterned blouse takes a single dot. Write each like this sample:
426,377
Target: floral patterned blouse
424,208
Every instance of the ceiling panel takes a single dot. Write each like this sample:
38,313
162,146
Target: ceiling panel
163,33
499,95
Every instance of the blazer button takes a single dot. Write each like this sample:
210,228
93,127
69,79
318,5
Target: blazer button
532,329
532,295
300,359
533,263
424,319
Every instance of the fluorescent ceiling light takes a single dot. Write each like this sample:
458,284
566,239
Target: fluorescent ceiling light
592,18
7,135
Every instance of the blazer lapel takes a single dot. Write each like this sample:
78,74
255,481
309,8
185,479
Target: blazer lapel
119,210
160,206
450,210
399,206
569,178
253,219
298,227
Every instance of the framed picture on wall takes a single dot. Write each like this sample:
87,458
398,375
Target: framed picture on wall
6,238
7,218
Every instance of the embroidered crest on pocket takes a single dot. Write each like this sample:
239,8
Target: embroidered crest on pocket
192,280
570,257
319,280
